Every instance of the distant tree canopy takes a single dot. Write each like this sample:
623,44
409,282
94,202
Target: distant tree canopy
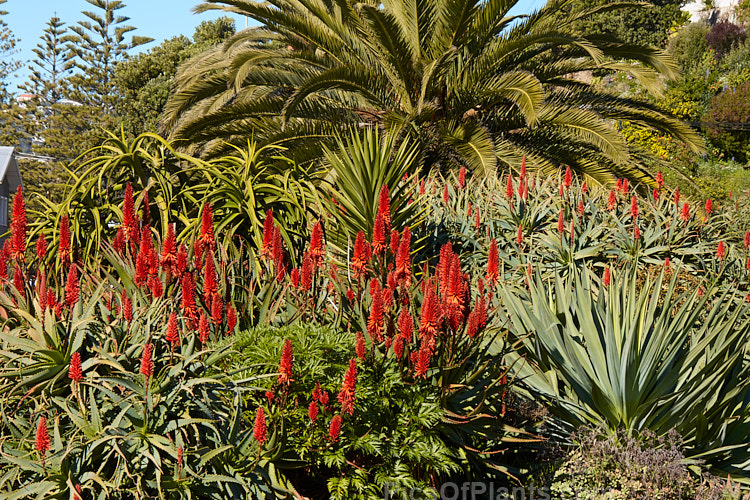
144,81
636,25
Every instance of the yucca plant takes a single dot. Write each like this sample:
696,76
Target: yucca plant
636,355
360,168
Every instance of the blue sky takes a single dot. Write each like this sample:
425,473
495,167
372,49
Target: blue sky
158,19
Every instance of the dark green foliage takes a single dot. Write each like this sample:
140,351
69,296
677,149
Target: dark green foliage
689,45
144,81
634,25
52,64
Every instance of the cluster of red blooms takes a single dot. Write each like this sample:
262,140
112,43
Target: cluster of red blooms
42,441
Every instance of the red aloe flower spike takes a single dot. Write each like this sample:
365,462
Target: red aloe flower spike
182,259
210,285
207,228
312,411
146,208
585,188
268,226
384,208
378,235
568,177
147,363
361,257
607,277
709,207
519,236
472,325
561,222
634,208
286,364
476,219
377,310
659,180
720,251
523,167
169,251
189,309
42,442
335,428
581,207
279,254
636,233
398,347
421,187
625,187
677,196
572,232
655,194
173,332
405,325
430,318
667,264
393,243
492,264
509,188
204,329
217,309
747,239
74,371
259,428
41,246
306,278
118,243
127,307
18,280
316,244
316,393
446,194
618,185
72,288
612,201
421,360
347,394
361,348
462,177
129,219
685,212
231,318
403,259
294,276
18,226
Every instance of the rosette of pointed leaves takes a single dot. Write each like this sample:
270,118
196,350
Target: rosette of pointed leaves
639,356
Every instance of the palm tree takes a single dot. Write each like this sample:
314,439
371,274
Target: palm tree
465,80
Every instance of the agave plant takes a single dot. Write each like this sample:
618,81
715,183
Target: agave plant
467,81
635,356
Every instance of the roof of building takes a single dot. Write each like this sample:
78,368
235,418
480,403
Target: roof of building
9,168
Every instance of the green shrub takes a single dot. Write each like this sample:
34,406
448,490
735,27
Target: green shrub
623,467
404,431
728,112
